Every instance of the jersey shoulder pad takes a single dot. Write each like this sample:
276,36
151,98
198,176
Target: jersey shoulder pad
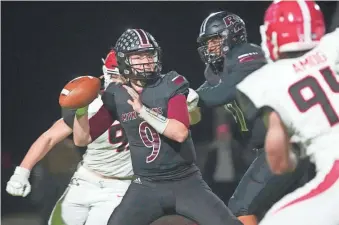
112,88
248,52
256,86
108,96
176,83
330,46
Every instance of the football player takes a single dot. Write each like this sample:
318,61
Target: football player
152,109
229,58
298,96
102,177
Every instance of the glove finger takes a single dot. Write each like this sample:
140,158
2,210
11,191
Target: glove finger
13,191
26,191
9,189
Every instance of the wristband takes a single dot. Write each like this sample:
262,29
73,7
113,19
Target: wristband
157,121
21,171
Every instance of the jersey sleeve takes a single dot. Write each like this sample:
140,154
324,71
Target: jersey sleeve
329,44
68,116
106,115
241,65
177,84
108,99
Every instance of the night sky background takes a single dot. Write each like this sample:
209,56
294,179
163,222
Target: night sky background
45,44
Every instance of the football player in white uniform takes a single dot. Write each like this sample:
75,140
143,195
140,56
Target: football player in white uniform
298,96
102,177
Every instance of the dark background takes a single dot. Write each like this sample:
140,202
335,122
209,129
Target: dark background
46,44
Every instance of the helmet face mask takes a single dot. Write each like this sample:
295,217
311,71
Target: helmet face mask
139,57
213,48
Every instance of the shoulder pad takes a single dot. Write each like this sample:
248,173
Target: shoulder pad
248,52
176,83
108,96
112,88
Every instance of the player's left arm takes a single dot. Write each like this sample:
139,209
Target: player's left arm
225,91
279,155
277,145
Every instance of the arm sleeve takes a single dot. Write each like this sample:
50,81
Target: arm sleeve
225,91
177,109
68,116
105,116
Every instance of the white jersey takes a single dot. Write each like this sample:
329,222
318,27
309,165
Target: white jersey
305,93
109,154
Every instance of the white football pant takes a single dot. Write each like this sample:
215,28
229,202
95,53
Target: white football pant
88,200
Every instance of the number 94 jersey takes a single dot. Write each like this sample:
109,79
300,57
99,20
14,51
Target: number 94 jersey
305,93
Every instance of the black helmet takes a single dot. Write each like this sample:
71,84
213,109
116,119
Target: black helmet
133,42
227,26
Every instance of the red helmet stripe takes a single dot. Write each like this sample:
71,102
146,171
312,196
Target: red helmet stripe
306,19
142,37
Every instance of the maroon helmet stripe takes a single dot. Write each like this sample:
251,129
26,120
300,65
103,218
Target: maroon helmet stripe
143,37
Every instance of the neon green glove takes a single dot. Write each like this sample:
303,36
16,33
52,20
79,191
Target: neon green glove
81,111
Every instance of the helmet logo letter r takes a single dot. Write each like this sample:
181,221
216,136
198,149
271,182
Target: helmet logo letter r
230,20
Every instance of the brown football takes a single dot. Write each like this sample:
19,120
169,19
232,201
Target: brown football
79,92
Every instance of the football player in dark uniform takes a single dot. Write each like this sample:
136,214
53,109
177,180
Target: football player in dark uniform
229,58
152,110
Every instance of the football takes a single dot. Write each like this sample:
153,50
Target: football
79,92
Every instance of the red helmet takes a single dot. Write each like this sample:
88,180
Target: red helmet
291,26
110,67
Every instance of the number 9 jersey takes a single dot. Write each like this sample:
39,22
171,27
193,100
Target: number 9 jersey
305,93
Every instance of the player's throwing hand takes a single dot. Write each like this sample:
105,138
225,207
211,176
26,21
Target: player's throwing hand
135,102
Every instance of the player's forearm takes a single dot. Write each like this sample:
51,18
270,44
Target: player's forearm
215,96
171,128
277,145
37,151
81,131
58,132
176,131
